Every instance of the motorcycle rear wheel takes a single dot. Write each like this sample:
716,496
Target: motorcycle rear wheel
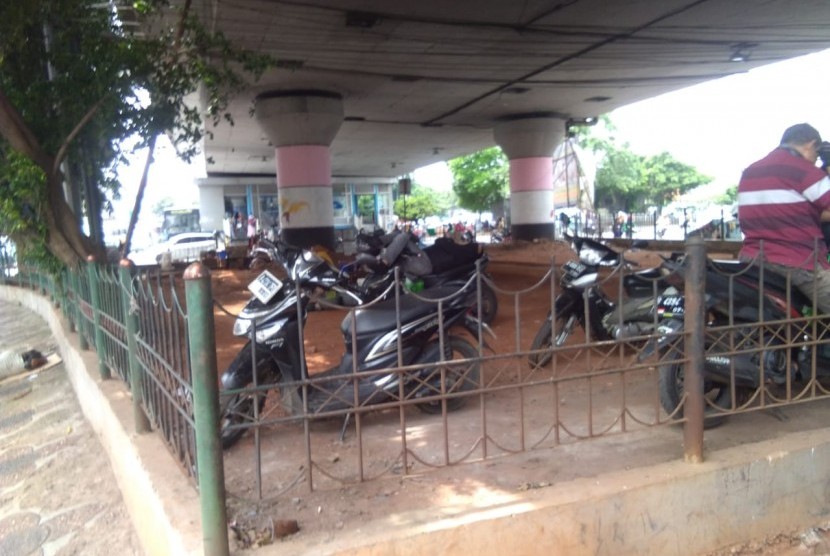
544,341
239,408
236,410
456,378
718,395
489,305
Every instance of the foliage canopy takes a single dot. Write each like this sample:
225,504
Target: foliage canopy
480,180
633,182
77,79
423,202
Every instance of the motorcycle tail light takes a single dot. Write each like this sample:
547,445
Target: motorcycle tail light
782,305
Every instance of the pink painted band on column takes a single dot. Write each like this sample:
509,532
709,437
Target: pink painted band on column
302,165
531,174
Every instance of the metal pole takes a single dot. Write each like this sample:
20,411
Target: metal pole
203,372
100,339
140,419
79,315
695,318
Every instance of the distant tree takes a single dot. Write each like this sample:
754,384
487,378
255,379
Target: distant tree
420,204
729,197
366,207
480,180
633,182
163,205
665,178
76,83
618,179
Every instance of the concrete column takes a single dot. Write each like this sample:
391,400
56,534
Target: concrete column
528,141
301,125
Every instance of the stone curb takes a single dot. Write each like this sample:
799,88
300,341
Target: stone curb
162,503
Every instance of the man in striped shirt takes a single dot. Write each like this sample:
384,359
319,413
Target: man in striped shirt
781,199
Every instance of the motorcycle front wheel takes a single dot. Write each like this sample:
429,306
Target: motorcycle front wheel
238,409
718,395
546,338
489,305
457,377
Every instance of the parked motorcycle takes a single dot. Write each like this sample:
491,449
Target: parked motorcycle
370,279
499,236
406,332
743,358
603,318
366,279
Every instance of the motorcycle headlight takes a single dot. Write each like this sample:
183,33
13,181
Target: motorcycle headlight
268,332
242,326
590,256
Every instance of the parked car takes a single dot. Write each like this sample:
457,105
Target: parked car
183,248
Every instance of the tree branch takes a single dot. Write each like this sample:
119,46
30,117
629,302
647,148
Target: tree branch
125,250
74,133
20,136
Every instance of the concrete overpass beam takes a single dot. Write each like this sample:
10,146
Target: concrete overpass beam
528,141
301,125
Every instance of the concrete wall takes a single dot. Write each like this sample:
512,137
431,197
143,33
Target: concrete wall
739,494
211,208
162,502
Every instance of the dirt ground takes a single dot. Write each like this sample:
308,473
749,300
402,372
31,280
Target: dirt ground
330,508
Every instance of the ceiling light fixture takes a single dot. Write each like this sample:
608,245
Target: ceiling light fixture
571,123
289,64
362,20
742,51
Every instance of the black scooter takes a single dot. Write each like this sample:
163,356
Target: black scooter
741,354
603,318
366,279
369,279
406,349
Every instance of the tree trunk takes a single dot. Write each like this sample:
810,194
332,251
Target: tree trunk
139,197
64,238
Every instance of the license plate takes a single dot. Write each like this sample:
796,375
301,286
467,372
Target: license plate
670,306
265,287
574,269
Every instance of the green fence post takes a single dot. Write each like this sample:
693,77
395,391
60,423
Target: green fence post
695,349
60,296
125,271
79,314
100,340
204,377
68,310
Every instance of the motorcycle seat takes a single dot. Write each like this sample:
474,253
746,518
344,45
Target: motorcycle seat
642,282
752,272
382,317
461,272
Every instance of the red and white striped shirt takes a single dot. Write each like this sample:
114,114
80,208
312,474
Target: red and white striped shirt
780,201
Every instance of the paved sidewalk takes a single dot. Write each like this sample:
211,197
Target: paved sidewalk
58,495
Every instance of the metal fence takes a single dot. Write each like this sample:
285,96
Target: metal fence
155,332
